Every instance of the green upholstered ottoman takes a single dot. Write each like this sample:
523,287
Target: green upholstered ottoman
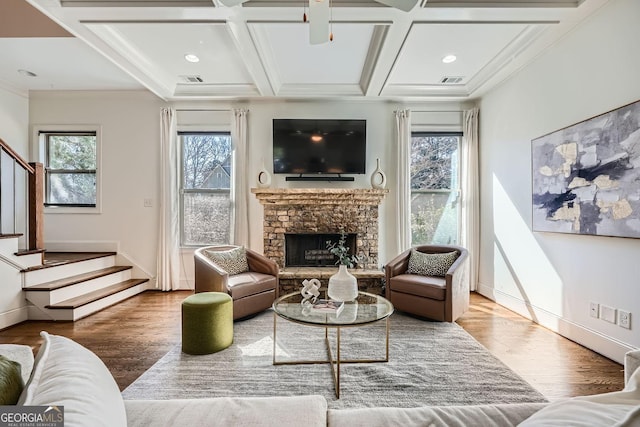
207,322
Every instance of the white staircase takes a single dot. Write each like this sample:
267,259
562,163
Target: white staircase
73,289
70,286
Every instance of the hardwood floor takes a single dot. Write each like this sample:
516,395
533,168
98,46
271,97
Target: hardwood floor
131,336
554,365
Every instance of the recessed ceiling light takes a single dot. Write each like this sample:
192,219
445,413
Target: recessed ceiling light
449,59
191,57
27,73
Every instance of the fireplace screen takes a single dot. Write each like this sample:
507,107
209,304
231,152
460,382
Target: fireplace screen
310,250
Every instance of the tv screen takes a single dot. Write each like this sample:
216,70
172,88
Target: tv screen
302,146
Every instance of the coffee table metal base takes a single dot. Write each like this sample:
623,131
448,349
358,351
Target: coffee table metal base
334,362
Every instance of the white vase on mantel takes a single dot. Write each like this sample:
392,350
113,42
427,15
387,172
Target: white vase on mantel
264,177
378,178
343,286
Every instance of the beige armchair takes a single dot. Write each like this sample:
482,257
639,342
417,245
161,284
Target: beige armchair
437,298
252,291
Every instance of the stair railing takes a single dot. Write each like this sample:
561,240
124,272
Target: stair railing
21,197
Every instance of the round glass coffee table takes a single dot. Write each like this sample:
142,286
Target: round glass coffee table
366,309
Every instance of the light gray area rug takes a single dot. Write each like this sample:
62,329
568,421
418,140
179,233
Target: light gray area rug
430,363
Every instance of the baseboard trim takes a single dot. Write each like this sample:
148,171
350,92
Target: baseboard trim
184,285
13,317
593,340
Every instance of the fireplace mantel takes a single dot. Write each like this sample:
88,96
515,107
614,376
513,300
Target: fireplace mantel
321,210
324,196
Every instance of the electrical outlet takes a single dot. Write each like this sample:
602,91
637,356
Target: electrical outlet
608,313
148,203
593,309
624,319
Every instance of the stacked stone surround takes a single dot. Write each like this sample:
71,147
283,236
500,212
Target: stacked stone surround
320,210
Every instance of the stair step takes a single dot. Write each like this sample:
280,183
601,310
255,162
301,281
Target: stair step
9,236
68,281
54,259
76,302
29,252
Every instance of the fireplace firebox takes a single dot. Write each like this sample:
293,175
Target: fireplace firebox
310,249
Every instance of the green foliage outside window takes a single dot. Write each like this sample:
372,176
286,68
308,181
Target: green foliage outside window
206,188
71,164
434,188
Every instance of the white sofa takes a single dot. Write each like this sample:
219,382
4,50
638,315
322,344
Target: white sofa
65,373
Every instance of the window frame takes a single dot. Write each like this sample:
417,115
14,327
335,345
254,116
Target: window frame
457,192
50,172
39,152
182,191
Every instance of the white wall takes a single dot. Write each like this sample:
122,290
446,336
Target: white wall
380,137
14,120
14,130
130,124
553,277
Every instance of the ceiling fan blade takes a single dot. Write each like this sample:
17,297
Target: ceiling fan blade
231,3
318,21
405,5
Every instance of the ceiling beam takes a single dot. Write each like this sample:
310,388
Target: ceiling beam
248,52
76,27
387,56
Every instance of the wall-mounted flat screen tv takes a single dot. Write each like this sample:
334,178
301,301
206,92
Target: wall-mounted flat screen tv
304,146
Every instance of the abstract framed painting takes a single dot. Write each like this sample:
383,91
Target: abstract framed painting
586,177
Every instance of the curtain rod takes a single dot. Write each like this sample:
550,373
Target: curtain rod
434,111
204,110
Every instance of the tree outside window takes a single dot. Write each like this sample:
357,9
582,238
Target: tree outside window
70,169
206,188
434,188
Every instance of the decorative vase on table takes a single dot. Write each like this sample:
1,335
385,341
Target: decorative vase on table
343,286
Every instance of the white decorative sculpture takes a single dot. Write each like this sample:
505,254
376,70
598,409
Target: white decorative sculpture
310,291
264,177
378,178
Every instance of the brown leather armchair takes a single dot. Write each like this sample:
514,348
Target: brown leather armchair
437,298
252,291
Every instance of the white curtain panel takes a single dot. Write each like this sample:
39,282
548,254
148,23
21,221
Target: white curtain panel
403,181
240,186
168,274
470,176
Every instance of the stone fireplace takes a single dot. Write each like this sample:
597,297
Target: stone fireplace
323,212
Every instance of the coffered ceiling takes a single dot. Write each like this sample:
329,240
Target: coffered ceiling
261,48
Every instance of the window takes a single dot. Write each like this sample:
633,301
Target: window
205,188
70,169
434,188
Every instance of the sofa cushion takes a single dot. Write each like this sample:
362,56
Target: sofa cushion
434,416
67,374
11,383
430,264
233,261
21,354
618,408
631,364
423,286
250,283
308,411
580,413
